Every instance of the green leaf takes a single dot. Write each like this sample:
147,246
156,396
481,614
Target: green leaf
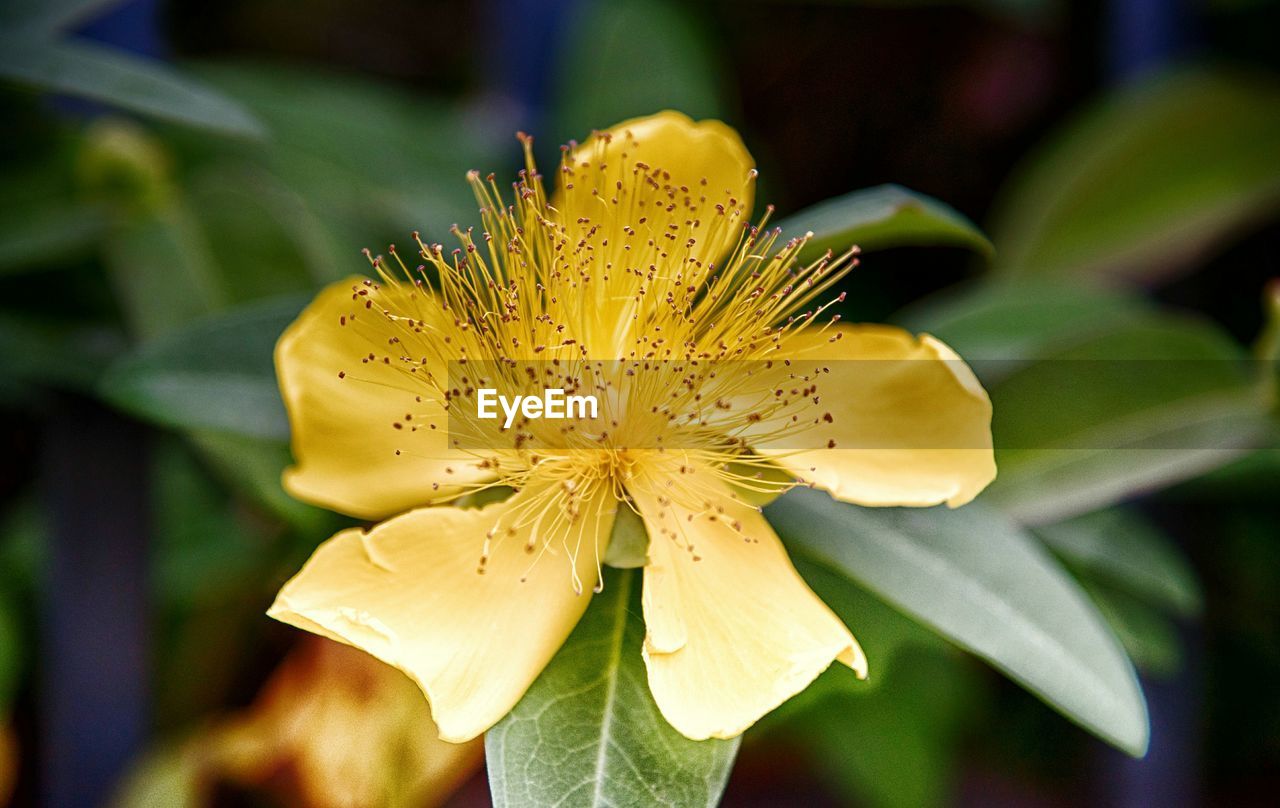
163,271
981,581
114,77
883,632
1154,402
254,467
1120,547
1148,636
588,732
882,217
1144,181
11,644
217,375
1267,348
629,541
56,353
596,80
367,159
1018,321
202,551
915,719
41,232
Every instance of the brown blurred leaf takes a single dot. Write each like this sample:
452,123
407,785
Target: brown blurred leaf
8,763
335,727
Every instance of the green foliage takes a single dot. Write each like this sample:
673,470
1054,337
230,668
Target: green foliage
895,745
629,541
10,652
1119,546
114,77
1142,182
217,375
253,467
1146,404
1148,636
1015,322
985,584
37,233
364,160
596,80
880,217
884,633
588,732
38,352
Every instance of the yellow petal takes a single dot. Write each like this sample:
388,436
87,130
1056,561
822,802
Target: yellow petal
409,592
911,425
732,629
694,166
350,454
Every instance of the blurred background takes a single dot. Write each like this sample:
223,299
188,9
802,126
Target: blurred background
178,178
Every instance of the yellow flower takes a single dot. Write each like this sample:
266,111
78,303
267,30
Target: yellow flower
641,280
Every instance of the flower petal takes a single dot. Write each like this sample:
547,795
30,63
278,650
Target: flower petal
733,630
696,164
911,425
344,410
409,593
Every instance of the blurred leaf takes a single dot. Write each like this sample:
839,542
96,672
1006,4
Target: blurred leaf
115,77
1143,181
40,232
264,238
254,467
23,539
1149,638
364,156
1140,407
8,760
1120,547
979,580
56,353
628,546
11,652
34,17
881,217
1250,477
202,550
352,730
1267,348
162,270
883,632
1017,321
896,745
216,375
596,80
588,731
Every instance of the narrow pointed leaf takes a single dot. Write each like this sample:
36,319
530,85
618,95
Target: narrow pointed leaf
981,581
1144,181
117,78
588,732
882,217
